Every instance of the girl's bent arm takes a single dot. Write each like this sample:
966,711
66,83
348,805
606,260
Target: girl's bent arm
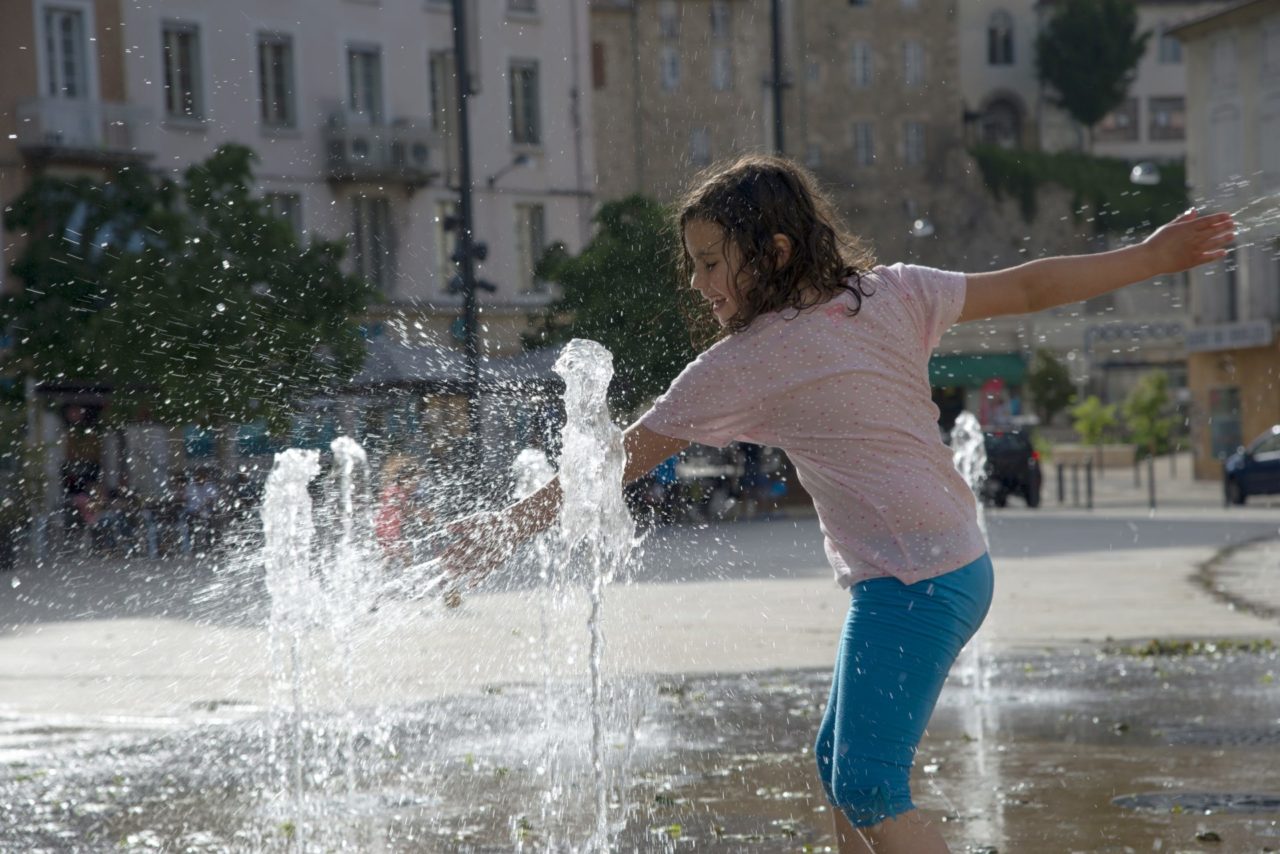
645,450
482,542
1186,242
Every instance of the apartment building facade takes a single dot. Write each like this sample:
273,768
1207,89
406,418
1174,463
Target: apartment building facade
351,107
1233,66
1005,104
873,105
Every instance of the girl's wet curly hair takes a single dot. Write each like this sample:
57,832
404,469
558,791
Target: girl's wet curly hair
757,196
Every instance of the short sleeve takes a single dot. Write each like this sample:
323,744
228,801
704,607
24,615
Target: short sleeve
935,296
712,402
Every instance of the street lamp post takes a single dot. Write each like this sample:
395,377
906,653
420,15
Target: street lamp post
465,253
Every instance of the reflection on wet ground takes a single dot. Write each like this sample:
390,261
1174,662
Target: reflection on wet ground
1089,751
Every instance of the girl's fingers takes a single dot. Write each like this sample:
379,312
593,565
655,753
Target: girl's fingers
1211,222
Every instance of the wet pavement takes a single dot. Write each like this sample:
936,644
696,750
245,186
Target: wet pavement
1091,750
135,704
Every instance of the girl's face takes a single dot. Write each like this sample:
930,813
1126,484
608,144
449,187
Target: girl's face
714,260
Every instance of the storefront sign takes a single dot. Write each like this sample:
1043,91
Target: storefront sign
1230,336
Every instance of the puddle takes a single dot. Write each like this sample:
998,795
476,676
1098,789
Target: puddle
1058,752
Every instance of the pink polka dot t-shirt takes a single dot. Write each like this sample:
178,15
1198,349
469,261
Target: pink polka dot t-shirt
848,399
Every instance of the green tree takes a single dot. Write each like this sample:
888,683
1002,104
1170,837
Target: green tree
621,290
1093,421
1050,385
1087,53
1147,415
186,297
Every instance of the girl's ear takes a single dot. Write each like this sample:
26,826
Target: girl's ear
782,246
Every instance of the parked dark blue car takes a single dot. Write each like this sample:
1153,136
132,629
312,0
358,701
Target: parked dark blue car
1254,470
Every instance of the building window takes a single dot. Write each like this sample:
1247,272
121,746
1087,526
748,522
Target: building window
373,240
525,7
1231,271
670,59
66,61
445,240
669,19
275,81
721,68
1000,38
862,69
720,17
443,88
700,147
531,242
597,65
864,144
912,63
526,128
1001,123
813,155
364,82
1270,48
288,207
859,2
1121,124
1268,133
913,143
182,72
1169,48
1224,421
1168,118
1222,61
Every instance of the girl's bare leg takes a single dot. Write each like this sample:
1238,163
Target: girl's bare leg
909,833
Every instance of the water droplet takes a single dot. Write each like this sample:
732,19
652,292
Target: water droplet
15,582
221,307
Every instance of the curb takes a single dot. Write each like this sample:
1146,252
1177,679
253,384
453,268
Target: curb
1207,576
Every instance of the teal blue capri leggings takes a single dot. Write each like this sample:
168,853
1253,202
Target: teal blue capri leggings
899,641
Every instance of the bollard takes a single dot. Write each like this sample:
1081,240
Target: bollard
1075,484
1088,484
153,533
1151,481
1062,486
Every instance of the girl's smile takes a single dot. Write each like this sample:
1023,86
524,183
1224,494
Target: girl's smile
706,245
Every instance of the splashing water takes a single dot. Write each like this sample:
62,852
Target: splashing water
531,470
288,531
597,532
969,453
974,669
326,579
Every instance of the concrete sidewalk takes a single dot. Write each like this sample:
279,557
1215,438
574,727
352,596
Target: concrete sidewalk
167,664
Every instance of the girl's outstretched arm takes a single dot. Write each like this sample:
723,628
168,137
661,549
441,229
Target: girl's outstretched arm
1186,242
483,541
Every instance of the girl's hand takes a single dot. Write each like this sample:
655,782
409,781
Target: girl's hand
478,544
1189,241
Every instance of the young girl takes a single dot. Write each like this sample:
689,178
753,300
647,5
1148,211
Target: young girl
826,356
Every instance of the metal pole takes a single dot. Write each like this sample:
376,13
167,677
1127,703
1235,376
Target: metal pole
466,237
1151,481
1088,484
1062,485
775,14
1075,484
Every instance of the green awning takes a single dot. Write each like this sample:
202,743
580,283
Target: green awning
973,369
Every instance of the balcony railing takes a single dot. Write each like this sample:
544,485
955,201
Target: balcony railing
405,151
75,129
